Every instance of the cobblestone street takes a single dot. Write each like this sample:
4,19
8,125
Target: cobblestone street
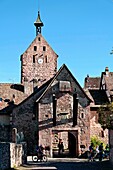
68,164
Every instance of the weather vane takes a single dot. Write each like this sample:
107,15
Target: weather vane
38,5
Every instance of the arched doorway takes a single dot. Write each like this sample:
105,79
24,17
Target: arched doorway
70,142
72,145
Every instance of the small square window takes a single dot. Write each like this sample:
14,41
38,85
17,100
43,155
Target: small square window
64,86
35,48
44,48
82,115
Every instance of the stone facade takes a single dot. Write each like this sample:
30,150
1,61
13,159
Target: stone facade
38,126
64,115
38,64
4,133
98,97
95,127
12,151
111,145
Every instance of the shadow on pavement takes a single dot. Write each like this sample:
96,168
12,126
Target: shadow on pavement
69,165
104,165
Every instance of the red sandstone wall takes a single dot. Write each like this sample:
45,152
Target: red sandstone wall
33,70
95,127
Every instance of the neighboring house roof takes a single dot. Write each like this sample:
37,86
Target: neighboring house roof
100,88
39,91
92,82
108,81
99,96
11,92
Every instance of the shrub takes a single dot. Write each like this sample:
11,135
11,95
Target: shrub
96,141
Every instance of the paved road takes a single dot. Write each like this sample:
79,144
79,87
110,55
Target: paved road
68,164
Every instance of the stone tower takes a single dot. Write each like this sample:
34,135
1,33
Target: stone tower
38,62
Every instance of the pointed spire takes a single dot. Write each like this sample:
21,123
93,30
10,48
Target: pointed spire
38,23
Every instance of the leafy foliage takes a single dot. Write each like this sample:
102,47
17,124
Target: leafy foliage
105,113
96,141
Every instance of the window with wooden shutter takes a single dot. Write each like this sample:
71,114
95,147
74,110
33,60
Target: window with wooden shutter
64,86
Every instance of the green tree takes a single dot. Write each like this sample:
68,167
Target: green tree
105,115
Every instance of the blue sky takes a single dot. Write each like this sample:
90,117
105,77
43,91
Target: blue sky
79,31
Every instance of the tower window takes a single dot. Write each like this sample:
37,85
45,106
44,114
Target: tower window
46,59
82,115
44,48
33,58
35,48
38,38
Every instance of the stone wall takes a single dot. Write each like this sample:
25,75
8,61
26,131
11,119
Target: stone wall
4,133
26,124
64,125
111,145
95,128
64,114
11,155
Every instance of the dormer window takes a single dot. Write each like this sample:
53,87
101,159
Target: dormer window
64,86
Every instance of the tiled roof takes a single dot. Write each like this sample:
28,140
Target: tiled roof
109,82
99,96
8,90
11,92
92,82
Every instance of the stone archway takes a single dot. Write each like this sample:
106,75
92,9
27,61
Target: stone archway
56,135
70,141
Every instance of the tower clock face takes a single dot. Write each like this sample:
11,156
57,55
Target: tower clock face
40,60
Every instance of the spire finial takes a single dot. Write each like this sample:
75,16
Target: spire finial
38,23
